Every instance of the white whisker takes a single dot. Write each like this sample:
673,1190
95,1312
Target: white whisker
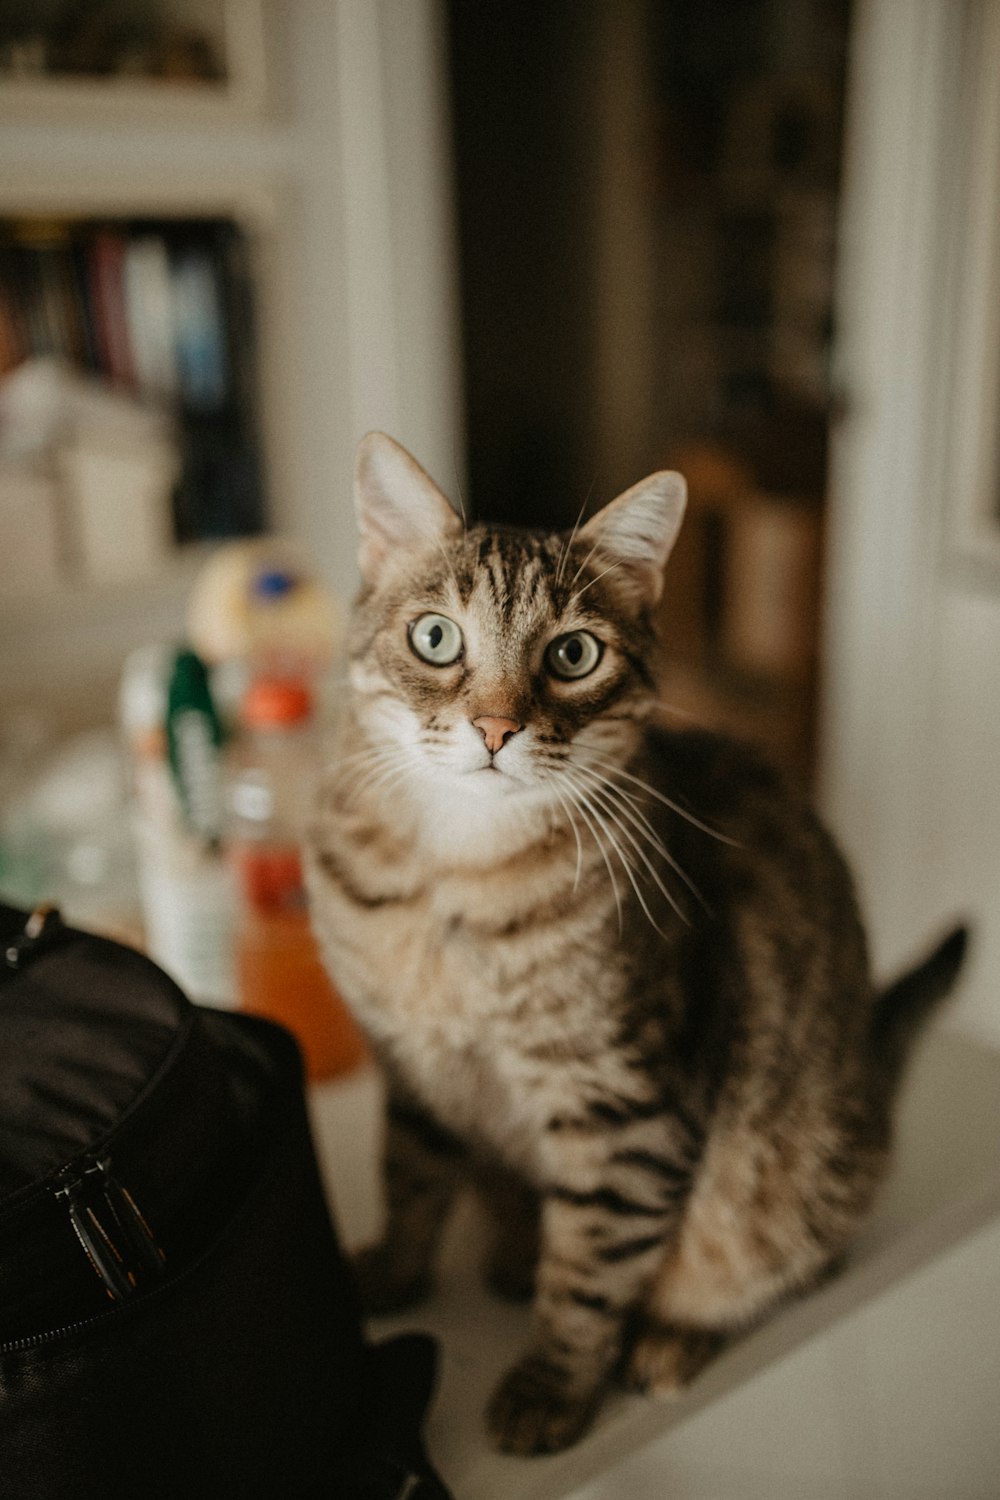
435,541
576,832
615,813
580,592
368,754
388,779
572,539
586,560
681,812
574,798
631,808
380,765
458,487
584,798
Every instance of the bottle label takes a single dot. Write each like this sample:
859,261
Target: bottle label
271,880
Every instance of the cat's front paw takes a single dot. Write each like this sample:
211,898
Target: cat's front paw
384,1284
534,1410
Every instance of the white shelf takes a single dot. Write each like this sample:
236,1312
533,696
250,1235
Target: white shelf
237,97
75,603
946,1186
141,101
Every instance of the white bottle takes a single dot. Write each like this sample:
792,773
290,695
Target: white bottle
185,882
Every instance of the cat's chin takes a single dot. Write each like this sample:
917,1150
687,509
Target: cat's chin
486,809
488,784
494,778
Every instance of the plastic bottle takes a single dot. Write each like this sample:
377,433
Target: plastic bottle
279,972
173,738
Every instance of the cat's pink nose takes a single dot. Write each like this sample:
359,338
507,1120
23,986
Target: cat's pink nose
496,732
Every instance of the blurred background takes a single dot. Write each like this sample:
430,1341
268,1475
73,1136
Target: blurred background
549,245
550,248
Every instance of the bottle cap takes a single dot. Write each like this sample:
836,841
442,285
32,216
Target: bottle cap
194,737
276,700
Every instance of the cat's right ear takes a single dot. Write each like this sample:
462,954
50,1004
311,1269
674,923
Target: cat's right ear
398,506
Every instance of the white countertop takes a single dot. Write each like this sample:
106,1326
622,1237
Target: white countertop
945,1186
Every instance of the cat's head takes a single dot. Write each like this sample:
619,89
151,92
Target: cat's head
492,662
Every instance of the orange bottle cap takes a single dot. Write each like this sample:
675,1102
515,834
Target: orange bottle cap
276,700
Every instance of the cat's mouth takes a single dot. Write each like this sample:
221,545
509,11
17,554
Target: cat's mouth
492,773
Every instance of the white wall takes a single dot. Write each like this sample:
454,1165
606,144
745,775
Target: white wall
911,725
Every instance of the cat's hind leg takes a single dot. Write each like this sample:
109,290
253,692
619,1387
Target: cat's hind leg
422,1167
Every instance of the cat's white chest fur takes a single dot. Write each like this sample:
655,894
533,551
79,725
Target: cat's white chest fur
454,1005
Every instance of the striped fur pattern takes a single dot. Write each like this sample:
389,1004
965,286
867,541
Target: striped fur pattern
615,975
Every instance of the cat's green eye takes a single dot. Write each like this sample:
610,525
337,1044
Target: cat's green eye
574,655
436,639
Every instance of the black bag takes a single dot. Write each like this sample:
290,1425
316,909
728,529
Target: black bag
176,1318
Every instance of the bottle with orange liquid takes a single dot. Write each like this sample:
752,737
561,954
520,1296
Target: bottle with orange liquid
278,968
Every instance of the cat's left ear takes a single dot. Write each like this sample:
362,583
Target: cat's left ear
398,505
636,532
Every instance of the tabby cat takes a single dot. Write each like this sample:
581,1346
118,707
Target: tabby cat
615,974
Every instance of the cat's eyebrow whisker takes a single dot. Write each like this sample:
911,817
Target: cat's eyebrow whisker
571,540
580,592
458,487
681,812
630,808
436,541
586,560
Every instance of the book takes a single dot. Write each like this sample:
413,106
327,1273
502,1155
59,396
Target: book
149,314
106,258
199,332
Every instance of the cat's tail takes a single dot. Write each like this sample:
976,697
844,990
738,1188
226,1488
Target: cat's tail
901,1010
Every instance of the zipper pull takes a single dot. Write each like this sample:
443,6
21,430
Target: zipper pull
112,1232
132,1223
43,928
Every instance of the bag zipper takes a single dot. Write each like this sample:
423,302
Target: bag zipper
120,1309
124,1307
112,1231
78,1188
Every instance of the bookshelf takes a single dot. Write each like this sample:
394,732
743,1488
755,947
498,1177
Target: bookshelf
128,354
132,158
223,40
338,178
